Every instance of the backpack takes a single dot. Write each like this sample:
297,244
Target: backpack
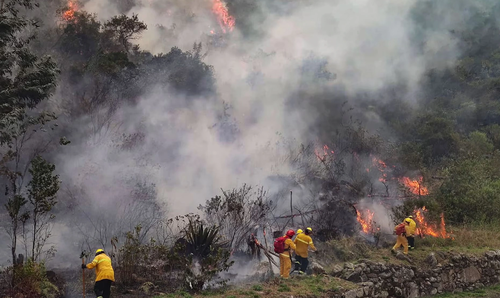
400,229
279,244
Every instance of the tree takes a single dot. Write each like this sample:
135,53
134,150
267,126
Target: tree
25,81
237,212
123,28
42,190
185,72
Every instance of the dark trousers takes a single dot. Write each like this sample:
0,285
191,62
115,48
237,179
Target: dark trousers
301,263
103,288
411,242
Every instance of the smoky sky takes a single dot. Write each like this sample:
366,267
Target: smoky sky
281,76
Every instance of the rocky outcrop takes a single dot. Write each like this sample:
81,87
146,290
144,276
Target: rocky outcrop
459,273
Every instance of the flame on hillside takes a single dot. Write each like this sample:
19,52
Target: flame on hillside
321,155
415,186
424,228
225,20
381,166
69,13
365,219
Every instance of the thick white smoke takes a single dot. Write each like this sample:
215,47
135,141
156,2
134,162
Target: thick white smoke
369,45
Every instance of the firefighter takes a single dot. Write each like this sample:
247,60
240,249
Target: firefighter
286,255
252,244
402,230
104,274
303,242
297,263
411,233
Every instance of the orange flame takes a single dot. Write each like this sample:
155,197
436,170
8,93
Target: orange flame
415,186
366,221
226,21
326,152
424,228
381,166
69,14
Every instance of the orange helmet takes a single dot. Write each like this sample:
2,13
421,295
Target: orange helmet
290,233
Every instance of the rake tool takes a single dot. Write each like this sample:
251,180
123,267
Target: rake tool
82,256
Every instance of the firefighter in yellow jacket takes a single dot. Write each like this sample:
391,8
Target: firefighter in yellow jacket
402,230
303,241
104,274
286,256
411,232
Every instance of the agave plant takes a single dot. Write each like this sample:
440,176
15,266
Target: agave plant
201,241
207,254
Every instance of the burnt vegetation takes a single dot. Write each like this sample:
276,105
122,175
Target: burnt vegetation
81,76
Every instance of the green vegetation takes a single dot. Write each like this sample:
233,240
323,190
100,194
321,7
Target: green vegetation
313,286
490,292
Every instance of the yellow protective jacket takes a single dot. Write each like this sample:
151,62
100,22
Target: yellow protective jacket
289,245
303,242
413,227
103,269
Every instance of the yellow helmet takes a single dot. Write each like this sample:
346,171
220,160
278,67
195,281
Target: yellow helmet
299,231
309,229
99,251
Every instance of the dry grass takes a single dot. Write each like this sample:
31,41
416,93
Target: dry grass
298,286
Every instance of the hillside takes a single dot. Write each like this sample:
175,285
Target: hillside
179,135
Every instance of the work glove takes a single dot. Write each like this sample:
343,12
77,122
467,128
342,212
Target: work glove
84,266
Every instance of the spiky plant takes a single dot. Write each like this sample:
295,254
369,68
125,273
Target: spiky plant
207,254
202,240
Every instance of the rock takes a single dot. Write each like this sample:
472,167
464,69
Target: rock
490,254
403,275
366,284
367,291
354,276
350,294
316,268
471,274
349,266
413,291
337,270
147,287
360,292
431,260
385,275
402,256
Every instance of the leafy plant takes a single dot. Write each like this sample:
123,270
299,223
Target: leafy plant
207,254
31,281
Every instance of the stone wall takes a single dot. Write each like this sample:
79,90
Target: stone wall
455,273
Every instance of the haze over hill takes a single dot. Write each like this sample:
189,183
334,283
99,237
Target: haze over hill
353,105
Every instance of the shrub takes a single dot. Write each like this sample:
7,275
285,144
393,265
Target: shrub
208,255
30,280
